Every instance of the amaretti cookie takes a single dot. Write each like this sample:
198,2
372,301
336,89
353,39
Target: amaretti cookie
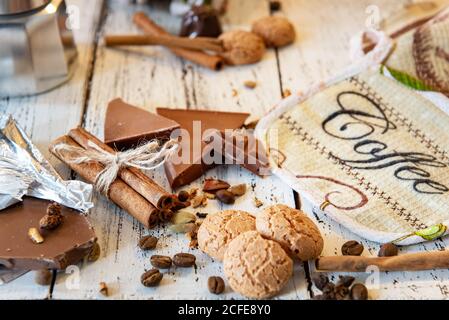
256,267
242,47
275,31
297,234
218,230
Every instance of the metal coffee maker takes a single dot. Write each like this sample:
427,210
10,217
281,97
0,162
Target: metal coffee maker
37,48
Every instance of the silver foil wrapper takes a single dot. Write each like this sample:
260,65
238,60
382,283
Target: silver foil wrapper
25,172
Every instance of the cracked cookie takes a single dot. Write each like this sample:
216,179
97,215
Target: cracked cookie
218,230
242,47
256,267
275,31
297,234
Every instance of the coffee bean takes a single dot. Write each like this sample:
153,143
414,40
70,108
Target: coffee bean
184,260
352,248
148,243
346,281
161,262
216,285
388,250
183,196
225,197
151,278
359,292
320,281
94,253
43,277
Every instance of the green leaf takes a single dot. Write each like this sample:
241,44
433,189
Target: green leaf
407,80
433,232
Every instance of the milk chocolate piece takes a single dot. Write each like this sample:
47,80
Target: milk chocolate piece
184,173
65,246
201,21
127,126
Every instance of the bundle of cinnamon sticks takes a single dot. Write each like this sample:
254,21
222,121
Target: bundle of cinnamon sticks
132,191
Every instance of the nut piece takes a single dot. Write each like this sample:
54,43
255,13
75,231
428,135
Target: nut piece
54,209
359,292
257,202
94,253
225,197
242,47
104,289
213,185
50,222
352,248
43,277
148,243
161,262
35,236
238,190
216,285
250,84
199,201
388,250
151,278
184,260
275,31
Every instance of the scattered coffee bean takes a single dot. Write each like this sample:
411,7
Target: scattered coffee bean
161,262
183,196
35,236
388,250
43,277
151,278
359,292
213,185
320,281
94,253
352,248
148,243
250,84
225,197
201,215
216,285
238,190
104,290
184,260
346,281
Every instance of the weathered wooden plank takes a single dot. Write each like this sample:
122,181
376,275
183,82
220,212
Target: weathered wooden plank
322,50
151,77
47,116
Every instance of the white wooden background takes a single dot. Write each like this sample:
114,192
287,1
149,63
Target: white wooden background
152,77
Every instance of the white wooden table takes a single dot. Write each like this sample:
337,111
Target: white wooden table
152,77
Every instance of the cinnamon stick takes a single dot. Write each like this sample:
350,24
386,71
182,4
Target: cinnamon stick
135,178
119,192
406,262
199,43
213,62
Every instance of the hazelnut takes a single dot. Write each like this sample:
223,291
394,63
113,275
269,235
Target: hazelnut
275,31
242,47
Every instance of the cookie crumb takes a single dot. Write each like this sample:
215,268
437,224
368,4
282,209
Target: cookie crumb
250,84
104,290
257,202
286,93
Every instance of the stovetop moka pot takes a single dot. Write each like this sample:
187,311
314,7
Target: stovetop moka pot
37,51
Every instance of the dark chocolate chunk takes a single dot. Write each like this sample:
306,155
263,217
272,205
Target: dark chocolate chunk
64,246
127,126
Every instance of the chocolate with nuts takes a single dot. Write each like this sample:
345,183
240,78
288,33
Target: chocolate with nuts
67,245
